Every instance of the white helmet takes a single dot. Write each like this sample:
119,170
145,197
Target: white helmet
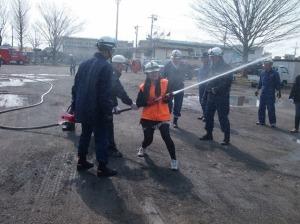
106,43
268,61
216,51
119,59
176,54
151,67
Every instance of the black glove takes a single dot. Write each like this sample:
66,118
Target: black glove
166,97
279,94
73,106
256,93
107,119
151,102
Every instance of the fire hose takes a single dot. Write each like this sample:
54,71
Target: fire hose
36,104
209,79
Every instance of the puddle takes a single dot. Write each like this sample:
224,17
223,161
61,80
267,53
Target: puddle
191,101
11,82
243,101
5,82
9,100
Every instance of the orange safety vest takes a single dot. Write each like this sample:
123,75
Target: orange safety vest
158,111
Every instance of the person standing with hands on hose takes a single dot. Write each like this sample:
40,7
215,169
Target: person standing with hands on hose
218,95
117,91
269,83
155,114
91,102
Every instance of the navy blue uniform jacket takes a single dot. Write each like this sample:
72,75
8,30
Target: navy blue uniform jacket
92,89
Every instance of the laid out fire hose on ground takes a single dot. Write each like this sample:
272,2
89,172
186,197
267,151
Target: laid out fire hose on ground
65,116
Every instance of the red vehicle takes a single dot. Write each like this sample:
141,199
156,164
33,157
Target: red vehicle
10,56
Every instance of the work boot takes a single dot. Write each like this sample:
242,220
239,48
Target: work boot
83,164
68,126
207,136
175,124
114,153
104,171
226,140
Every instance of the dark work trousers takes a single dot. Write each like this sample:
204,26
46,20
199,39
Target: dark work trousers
100,131
178,100
72,69
297,115
202,101
219,103
111,139
267,101
165,134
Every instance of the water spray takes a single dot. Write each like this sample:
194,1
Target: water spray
212,78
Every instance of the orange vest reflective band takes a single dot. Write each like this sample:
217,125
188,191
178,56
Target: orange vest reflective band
158,111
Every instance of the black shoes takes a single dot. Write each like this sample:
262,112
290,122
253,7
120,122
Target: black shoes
68,126
114,153
104,171
82,164
226,139
175,124
225,143
260,123
206,137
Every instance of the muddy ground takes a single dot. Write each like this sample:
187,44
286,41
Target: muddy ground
254,180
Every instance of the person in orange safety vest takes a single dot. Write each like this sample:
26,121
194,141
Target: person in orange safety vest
156,114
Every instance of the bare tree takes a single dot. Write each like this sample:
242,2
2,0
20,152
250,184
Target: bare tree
35,42
3,20
20,19
34,39
56,24
251,23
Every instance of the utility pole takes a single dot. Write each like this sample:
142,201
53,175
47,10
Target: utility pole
1,38
225,34
117,20
136,38
153,18
295,52
12,36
